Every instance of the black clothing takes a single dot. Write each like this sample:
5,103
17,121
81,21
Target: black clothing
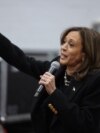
76,108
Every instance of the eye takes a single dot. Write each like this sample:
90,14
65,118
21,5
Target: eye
71,43
63,42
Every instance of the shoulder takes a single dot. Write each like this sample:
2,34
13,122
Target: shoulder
94,74
93,78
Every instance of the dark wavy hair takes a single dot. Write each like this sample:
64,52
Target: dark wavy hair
91,47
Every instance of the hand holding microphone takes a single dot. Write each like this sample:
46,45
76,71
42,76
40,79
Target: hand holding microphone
48,80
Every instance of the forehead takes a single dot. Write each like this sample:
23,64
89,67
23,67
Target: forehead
75,35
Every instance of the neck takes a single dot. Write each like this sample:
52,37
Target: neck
71,70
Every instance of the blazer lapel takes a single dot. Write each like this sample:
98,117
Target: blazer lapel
76,86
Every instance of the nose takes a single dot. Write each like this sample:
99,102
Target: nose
64,46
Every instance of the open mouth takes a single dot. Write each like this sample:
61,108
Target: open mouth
62,56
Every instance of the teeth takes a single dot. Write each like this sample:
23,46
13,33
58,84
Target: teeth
62,56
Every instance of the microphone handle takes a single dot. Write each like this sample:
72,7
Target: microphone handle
38,91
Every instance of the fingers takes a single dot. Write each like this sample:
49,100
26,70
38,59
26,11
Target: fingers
46,78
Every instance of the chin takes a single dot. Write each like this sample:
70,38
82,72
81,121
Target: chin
62,62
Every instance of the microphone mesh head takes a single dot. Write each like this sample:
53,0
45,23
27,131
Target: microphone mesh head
55,64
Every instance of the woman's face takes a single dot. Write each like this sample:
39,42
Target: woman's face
71,50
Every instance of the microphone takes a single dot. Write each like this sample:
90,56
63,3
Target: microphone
54,66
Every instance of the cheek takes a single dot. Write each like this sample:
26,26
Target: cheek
75,58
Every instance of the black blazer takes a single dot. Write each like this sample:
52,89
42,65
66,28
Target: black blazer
68,110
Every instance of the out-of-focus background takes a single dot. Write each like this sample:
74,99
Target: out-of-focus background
35,26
